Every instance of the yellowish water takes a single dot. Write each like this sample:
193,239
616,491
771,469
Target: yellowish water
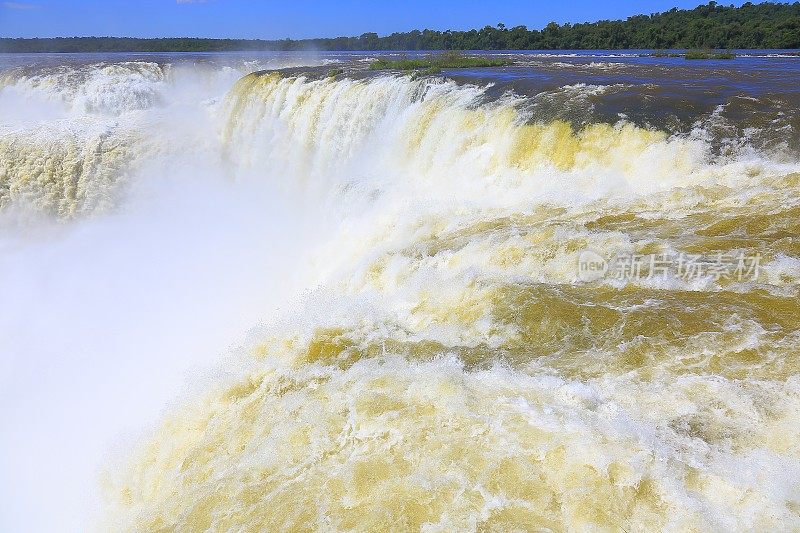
70,175
456,374
448,368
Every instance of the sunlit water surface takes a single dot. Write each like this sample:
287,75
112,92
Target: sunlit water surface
310,299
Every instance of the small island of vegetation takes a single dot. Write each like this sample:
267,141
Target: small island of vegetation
434,63
700,54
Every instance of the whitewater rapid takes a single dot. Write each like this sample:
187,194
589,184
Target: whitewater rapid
403,254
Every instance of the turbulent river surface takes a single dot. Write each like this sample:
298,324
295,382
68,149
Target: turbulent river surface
250,292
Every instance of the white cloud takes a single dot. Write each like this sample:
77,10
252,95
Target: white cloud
20,5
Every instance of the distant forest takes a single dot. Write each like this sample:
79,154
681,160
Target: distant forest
767,25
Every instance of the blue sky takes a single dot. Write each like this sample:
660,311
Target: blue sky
273,19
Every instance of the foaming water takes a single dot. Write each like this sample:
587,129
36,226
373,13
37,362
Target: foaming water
165,264
73,133
422,352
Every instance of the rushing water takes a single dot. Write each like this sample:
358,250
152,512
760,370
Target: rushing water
560,295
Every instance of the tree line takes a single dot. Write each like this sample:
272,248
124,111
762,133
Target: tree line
765,25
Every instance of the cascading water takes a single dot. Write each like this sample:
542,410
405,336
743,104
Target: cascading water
438,361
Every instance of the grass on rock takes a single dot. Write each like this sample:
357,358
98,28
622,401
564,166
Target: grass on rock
436,62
